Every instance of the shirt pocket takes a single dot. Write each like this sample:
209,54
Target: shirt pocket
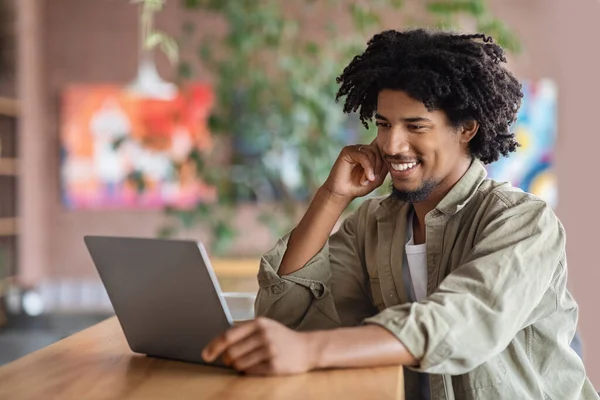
376,293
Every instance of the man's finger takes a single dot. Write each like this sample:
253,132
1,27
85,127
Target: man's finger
368,151
379,164
363,159
222,342
245,346
251,359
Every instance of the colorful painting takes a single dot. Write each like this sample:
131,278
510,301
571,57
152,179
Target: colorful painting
124,151
531,167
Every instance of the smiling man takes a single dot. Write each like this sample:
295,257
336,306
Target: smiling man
459,278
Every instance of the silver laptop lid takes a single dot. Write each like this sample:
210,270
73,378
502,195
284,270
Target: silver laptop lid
164,293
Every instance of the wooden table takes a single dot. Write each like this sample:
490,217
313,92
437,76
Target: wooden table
98,364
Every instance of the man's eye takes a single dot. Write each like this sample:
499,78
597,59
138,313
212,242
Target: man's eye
382,124
416,127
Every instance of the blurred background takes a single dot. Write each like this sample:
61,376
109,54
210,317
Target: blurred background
217,120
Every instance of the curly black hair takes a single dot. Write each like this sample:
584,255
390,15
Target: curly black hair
461,75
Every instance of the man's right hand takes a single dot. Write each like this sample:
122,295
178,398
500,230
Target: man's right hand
358,170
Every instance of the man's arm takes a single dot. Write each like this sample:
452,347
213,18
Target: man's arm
312,232
265,347
295,277
329,291
363,346
357,172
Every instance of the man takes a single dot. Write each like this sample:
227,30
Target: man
459,278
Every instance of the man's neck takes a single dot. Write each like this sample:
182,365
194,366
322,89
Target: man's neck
422,208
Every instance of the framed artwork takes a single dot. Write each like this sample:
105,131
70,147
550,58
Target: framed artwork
122,151
531,167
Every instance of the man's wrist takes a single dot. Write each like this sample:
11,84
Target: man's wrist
316,341
332,200
361,346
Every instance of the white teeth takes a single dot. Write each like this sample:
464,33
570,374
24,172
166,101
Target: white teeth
404,166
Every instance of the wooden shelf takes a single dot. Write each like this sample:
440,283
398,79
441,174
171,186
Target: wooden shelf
9,226
236,268
8,166
9,107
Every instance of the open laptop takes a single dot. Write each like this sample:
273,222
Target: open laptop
164,293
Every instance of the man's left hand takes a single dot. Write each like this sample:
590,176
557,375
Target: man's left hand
263,347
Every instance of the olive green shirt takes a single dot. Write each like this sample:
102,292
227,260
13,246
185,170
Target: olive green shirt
498,318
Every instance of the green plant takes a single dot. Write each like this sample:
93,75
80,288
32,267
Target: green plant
151,37
275,113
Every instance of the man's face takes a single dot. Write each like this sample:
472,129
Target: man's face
422,151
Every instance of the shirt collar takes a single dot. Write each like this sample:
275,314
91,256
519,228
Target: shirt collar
464,189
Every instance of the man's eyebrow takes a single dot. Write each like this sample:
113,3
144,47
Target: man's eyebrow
416,119
408,119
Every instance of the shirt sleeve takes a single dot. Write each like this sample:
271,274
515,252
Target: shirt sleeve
479,307
329,291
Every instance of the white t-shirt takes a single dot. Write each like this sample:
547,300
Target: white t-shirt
416,257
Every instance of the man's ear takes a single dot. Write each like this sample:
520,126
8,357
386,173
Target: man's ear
468,130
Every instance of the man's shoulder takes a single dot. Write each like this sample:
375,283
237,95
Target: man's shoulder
507,195
502,198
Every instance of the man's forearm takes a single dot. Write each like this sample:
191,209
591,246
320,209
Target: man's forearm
364,346
312,232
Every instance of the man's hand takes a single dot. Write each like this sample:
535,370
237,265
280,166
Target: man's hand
263,347
358,171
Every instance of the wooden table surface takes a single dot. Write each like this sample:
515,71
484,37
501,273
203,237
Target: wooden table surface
98,364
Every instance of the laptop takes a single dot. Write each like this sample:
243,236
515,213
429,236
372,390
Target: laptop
164,293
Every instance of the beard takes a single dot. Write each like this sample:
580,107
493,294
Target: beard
417,195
